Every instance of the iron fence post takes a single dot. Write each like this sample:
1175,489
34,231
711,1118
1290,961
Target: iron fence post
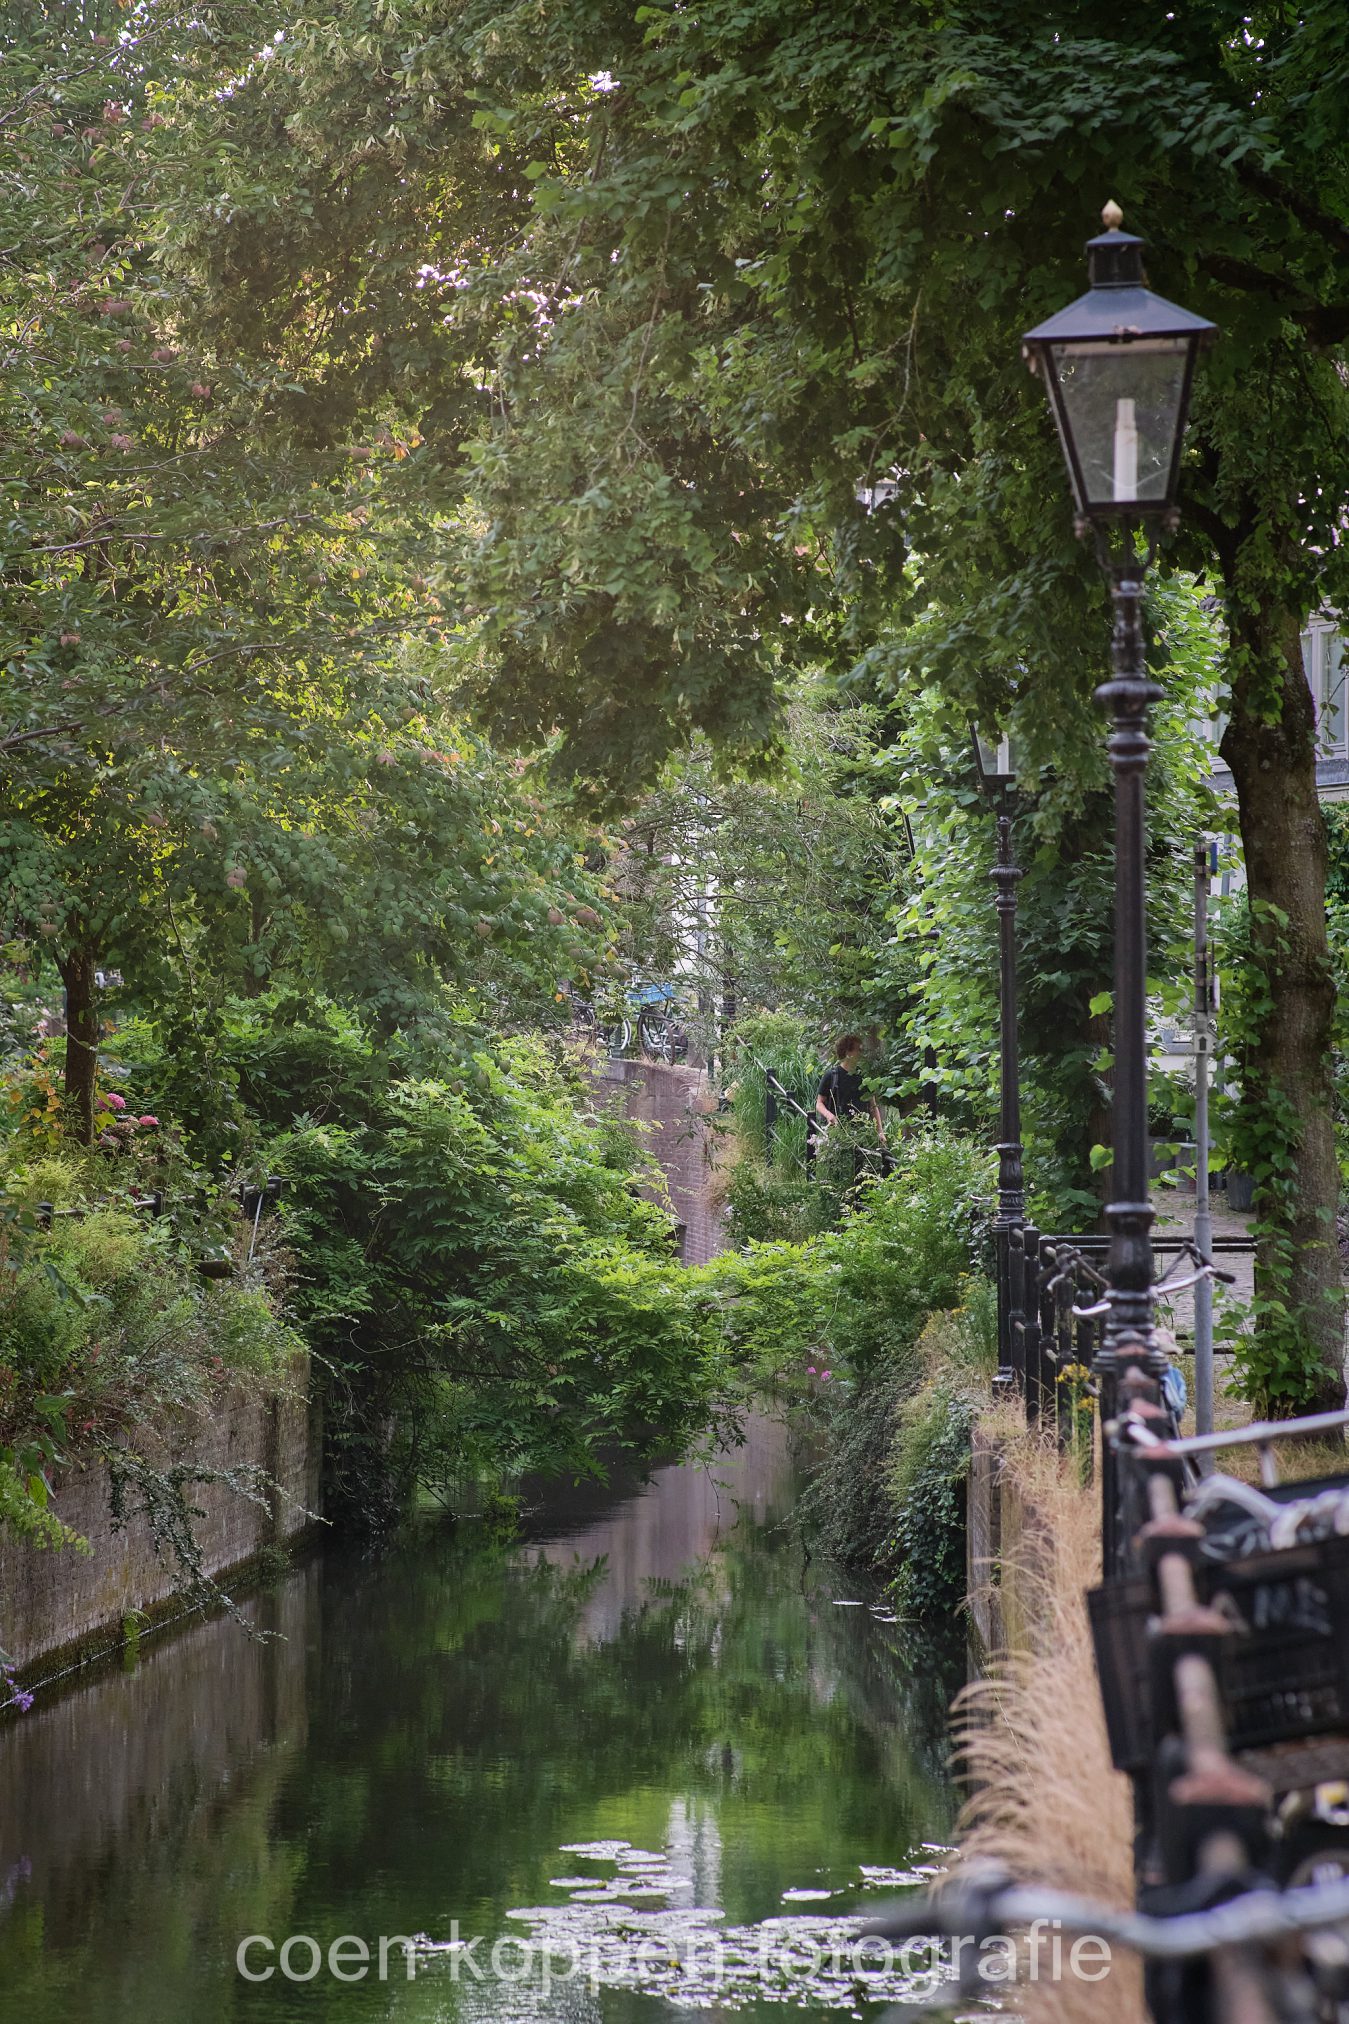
1064,1392
1048,1325
1030,1319
1014,1240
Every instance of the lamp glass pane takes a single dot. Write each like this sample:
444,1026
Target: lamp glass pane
996,762
1120,403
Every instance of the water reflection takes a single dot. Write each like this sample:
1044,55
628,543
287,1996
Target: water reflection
663,1672
658,1533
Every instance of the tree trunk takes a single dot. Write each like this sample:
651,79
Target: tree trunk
1286,1062
82,1035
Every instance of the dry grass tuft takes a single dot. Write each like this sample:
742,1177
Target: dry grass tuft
1030,1737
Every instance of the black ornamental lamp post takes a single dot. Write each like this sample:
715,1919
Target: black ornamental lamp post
995,769
1118,365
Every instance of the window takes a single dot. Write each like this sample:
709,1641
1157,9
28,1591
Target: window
1323,656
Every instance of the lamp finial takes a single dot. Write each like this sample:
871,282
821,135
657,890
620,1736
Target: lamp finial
1111,216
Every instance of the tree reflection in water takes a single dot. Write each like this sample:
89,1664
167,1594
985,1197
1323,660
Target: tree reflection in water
438,1723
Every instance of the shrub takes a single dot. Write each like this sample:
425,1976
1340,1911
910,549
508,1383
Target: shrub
781,1045
105,1323
487,1287
766,1205
858,1295
930,1462
866,1303
929,1458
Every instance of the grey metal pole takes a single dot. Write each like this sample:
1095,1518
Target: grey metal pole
1203,1220
1011,1181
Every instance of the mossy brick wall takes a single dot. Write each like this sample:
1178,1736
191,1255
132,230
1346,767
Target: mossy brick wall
676,1102
55,1606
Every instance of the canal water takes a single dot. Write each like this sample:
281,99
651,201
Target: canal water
653,1755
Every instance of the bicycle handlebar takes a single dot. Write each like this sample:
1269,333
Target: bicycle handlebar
980,1909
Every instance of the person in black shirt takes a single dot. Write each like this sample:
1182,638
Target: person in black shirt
840,1091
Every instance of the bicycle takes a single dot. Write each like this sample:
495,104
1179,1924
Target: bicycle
661,1032
613,1033
1230,1961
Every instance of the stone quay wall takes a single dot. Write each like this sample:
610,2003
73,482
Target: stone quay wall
61,1608
676,1103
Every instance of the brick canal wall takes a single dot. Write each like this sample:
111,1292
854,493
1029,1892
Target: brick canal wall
59,1607
676,1103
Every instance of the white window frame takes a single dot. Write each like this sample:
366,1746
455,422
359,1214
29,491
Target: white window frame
1327,684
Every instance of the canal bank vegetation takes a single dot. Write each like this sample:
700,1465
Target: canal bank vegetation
488,1287
114,1319
1044,1799
463,1244
880,1321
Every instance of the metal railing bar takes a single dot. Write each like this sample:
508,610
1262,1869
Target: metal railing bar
1259,1435
1233,1246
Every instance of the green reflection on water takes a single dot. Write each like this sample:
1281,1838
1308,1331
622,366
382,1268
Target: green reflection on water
437,1725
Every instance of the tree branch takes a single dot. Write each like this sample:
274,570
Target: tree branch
1311,214
228,534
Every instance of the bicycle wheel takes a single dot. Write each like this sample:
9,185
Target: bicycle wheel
583,1027
655,1035
615,1035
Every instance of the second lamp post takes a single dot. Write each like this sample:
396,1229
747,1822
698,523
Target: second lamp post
1118,365
996,770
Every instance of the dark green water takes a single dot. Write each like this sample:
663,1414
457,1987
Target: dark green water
645,1733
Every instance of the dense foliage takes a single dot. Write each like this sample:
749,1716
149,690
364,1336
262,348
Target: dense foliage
846,1318
109,1334
423,434
929,1456
475,1268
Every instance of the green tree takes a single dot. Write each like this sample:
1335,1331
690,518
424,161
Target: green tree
663,292
767,893
750,259
229,756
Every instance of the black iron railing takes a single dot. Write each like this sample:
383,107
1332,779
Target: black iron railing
1052,1315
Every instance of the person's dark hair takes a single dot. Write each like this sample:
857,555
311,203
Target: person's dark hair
847,1043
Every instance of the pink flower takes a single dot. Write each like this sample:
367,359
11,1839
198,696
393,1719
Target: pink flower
826,1373
114,1101
149,1120
810,1370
